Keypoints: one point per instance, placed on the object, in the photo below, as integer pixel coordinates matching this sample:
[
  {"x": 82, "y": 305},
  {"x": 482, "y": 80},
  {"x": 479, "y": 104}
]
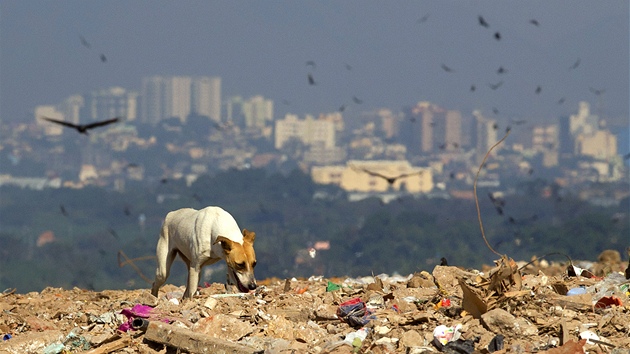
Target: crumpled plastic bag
[{"x": 355, "y": 313}]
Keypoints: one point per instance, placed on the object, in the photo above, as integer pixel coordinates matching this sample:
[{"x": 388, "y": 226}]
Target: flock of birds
[{"x": 84, "y": 128}]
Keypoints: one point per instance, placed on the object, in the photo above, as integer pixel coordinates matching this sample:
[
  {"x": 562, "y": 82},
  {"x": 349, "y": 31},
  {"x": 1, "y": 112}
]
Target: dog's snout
[{"x": 252, "y": 286}]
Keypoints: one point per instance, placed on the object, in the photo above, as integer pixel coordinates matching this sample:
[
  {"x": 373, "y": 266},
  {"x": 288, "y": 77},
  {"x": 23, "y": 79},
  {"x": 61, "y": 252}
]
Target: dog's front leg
[{"x": 193, "y": 281}]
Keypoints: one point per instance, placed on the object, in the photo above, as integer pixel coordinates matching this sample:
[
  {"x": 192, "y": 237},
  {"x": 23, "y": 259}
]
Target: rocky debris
[{"x": 511, "y": 307}]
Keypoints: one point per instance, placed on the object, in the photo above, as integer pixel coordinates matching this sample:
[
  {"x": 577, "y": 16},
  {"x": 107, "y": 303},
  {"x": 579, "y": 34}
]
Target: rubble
[{"x": 512, "y": 307}]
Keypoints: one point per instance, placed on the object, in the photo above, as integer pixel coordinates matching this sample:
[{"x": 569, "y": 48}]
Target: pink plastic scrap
[{"x": 137, "y": 311}]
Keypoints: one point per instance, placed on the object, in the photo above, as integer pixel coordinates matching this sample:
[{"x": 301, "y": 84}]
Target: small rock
[
  {"x": 146, "y": 298},
  {"x": 500, "y": 321},
  {"x": 411, "y": 339}
]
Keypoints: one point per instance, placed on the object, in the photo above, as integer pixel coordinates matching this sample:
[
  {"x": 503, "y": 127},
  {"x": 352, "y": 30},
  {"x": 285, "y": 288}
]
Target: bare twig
[
  {"x": 475, "y": 191},
  {"x": 133, "y": 265}
]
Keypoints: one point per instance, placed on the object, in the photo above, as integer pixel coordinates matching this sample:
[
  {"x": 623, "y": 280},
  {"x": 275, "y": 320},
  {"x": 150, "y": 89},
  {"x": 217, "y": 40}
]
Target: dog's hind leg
[{"x": 165, "y": 258}]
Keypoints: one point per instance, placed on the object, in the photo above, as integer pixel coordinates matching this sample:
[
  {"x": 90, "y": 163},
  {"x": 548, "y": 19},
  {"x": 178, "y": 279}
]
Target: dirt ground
[{"x": 578, "y": 307}]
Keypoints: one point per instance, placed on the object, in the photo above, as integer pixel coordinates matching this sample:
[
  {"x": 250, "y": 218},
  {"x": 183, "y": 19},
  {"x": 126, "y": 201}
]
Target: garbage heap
[{"x": 510, "y": 307}]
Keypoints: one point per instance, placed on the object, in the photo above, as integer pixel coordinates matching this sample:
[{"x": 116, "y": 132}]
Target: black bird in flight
[
  {"x": 63, "y": 210},
  {"x": 103, "y": 58},
  {"x": 501, "y": 70},
  {"x": 596, "y": 92},
  {"x": 483, "y": 22},
  {"x": 423, "y": 19},
  {"x": 497, "y": 36},
  {"x": 447, "y": 69},
  {"x": 576, "y": 64},
  {"x": 311, "y": 63},
  {"x": 389, "y": 180},
  {"x": 342, "y": 108},
  {"x": 518, "y": 122},
  {"x": 534, "y": 22},
  {"x": 472, "y": 88},
  {"x": 357, "y": 100},
  {"x": 311, "y": 81},
  {"x": 348, "y": 66},
  {"x": 83, "y": 128},
  {"x": 561, "y": 100},
  {"x": 84, "y": 42},
  {"x": 496, "y": 86},
  {"x": 538, "y": 90}
]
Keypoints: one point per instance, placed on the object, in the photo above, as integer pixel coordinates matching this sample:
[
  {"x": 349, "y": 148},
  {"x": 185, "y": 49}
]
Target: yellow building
[
  {"x": 375, "y": 176},
  {"x": 600, "y": 145}
]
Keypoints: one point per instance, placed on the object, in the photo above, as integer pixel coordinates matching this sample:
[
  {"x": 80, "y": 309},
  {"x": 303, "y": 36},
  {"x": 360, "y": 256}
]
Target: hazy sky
[{"x": 387, "y": 54}]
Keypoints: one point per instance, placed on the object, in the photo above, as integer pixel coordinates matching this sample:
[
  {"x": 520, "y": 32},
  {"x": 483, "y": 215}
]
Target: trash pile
[{"x": 512, "y": 307}]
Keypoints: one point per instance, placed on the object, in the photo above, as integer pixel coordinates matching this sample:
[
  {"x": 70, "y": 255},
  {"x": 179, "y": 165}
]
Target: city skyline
[{"x": 361, "y": 56}]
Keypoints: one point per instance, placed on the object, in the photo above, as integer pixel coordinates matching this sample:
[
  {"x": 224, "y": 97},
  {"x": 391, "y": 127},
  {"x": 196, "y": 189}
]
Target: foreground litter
[{"x": 540, "y": 308}]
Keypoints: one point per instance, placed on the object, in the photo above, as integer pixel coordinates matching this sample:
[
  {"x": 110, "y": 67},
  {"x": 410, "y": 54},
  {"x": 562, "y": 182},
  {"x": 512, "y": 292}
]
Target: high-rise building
[
  {"x": 565, "y": 139},
  {"x": 110, "y": 103},
  {"x": 254, "y": 112},
  {"x": 72, "y": 108},
  {"x": 389, "y": 123},
  {"x": 178, "y": 96},
  {"x": 583, "y": 122},
  {"x": 177, "y": 93},
  {"x": 439, "y": 128},
  {"x": 206, "y": 97},
  {"x": 453, "y": 130},
  {"x": 153, "y": 97},
  {"x": 486, "y": 136}
]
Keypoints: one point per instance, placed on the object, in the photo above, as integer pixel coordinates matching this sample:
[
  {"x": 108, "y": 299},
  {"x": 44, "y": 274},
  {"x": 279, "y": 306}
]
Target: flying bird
[
  {"x": 497, "y": 36},
  {"x": 348, "y": 66},
  {"x": 84, "y": 42},
  {"x": 472, "y": 88},
  {"x": 538, "y": 89},
  {"x": 342, "y": 108},
  {"x": 311, "y": 81},
  {"x": 447, "y": 69},
  {"x": 311, "y": 63},
  {"x": 63, "y": 210},
  {"x": 576, "y": 64},
  {"x": 389, "y": 180},
  {"x": 423, "y": 19},
  {"x": 561, "y": 100},
  {"x": 357, "y": 100},
  {"x": 103, "y": 58},
  {"x": 534, "y": 22},
  {"x": 501, "y": 70},
  {"x": 496, "y": 86},
  {"x": 82, "y": 128},
  {"x": 518, "y": 122},
  {"x": 596, "y": 92},
  {"x": 483, "y": 22}
]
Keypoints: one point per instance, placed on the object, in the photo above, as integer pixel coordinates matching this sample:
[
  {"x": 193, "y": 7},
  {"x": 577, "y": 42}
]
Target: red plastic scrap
[{"x": 608, "y": 301}]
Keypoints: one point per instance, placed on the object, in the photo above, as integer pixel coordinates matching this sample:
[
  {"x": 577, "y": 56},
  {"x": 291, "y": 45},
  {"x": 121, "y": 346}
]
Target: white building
[{"x": 309, "y": 131}]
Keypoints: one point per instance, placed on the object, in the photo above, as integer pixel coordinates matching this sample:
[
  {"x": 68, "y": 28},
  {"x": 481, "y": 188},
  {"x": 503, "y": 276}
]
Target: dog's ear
[
  {"x": 226, "y": 243},
  {"x": 249, "y": 236}
]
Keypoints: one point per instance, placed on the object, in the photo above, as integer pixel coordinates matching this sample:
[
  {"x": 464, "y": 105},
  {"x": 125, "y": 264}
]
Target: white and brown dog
[{"x": 203, "y": 237}]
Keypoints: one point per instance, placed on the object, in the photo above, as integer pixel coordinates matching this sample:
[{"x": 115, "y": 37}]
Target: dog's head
[{"x": 240, "y": 260}]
